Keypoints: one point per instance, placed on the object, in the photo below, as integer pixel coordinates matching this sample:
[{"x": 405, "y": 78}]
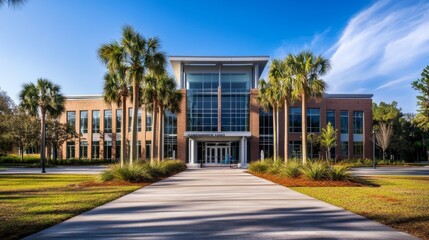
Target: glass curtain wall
[
  {"x": 266, "y": 133},
  {"x": 170, "y": 134},
  {"x": 235, "y": 102}
]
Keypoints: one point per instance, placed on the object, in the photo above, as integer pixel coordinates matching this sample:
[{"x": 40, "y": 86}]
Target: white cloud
[{"x": 389, "y": 40}]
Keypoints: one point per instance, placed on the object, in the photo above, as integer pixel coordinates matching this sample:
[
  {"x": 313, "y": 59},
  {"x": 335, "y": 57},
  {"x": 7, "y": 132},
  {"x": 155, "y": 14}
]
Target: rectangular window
[
  {"x": 170, "y": 134},
  {"x": 295, "y": 149},
  {"x": 330, "y": 117},
  {"x": 357, "y": 148},
  {"x": 139, "y": 120},
  {"x": 266, "y": 133},
  {"x": 107, "y": 121},
  {"x": 83, "y": 150},
  {"x": 70, "y": 149},
  {"x": 71, "y": 119},
  {"x": 95, "y": 150},
  {"x": 118, "y": 120},
  {"x": 344, "y": 122},
  {"x": 118, "y": 150},
  {"x": 313, "y": 120},
  {"x": 130, "y": 118},
  {"x": 139, "y": 149},
  {"x": 95, "y": 121},
  {"x": 357, "y": 122},
  {"x": 345, "y": 148},
  {"x": 148, "y": 121},
  {"x": 148, "y": 149},
  {"x": 83, "y": 122},
  {"x": 107, "y": 150},
  {"x": 295, "y": 123}
]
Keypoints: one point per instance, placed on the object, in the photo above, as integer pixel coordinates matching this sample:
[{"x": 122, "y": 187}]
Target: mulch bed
[{"x": 303, "y": 182}]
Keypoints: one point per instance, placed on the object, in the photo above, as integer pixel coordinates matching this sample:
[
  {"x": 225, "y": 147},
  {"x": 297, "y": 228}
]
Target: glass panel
[
  {"x": 344, "y": 122},
  {"x": 70, "y": 149},
  {"x": 148, "y": 121},
  {"x": 71, "y": 119},
  {"x": 118, "y": 120},
  {"x": 357, "y": 148},
  {"x": 83, "y": 122},
  {"x": 83, "y": 150},
  {"x": 295, "y": 120},
  {"x": 313, "y": 120},
  {"x": 95, "y": 150},
  {"x": 107, "y": 121},
  {"x": 266, "y": 133},
  {"x": 358, "y": 122},
  {"x": 107, "y": 150},
  {"x": 96, "y": 121},
  {"x": 330, "y": 117}
]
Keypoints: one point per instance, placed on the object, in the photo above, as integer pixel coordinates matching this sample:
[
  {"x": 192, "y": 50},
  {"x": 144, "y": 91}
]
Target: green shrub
[
  {"x": 259, "y": 166},
  {"x": 339, "y": 173},
  {"x": 315, "y": 170},
  {"x": 291, "y": 170},
  {"x": 275, "y": 167},
  {"x": 142, "y": 171}
]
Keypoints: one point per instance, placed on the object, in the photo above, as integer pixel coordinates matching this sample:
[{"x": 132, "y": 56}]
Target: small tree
[
  {"x": 383, "y": 136},
  {"x": 328, "y": 138},
  {"x": 312, "y": 139},
  {"x": 6, "y": 112},
  {"x": 25, "y": 130},
  {"x": 422, "y": 85},
  {"x": 57, "y": 133}
]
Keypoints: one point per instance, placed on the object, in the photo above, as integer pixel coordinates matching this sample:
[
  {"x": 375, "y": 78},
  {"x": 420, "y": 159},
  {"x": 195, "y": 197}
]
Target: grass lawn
[
  {"x": 30, "y": 203},
  {"x": 401, "y": 202}
]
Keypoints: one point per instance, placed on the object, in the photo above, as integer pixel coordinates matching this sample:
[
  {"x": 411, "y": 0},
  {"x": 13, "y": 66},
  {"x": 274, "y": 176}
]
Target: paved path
[
  {"x": 55, "y": 170},
  {"x": 411, "y": 171},
  {"x": 218, "y": 204}
]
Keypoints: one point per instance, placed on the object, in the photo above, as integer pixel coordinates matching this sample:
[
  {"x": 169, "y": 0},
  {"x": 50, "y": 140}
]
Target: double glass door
[{"x": 216, "y": 154}]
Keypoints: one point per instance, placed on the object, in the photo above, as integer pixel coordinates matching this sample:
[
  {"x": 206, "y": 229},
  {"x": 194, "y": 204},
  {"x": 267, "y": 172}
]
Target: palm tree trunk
[
  {"x": 286, "y": 143},
  {"x": 161, "y": 113},
  {"x": 274, "y": 133},
  {"x": 304, "y": 129},
  {"x": 133, "y": 148},
  {"x": 123, "y": 129},
  {"x": 154, "y": 121},
  {"x": 42, "y": 149}
]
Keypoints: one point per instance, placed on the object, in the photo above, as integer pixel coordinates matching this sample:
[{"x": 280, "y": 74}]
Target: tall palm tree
[
  {"x": 160, "y": 93},
  {"x": 279, "y": 72},
  {"x": 12, "y": 3},
  {"x": 137, "y": 55},
  {"x": 117, "y": 90},
  {"x": 44, "y": 98},
  {"x": 306, "y": 69},
  {"x": 270, "y": 96}
]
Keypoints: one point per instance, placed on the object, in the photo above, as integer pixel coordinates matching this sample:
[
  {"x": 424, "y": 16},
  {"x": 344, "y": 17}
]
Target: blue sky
[{"x": 375, "y": 47}]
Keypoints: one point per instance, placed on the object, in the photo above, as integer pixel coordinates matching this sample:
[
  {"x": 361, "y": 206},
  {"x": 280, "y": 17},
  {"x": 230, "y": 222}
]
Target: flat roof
[
  {"x": 219, "y": 58},
  {"x": 327, "y": 95}
]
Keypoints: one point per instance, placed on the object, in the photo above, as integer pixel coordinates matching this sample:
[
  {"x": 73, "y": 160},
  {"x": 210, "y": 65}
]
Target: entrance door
[{"x": 216, "y": 154}]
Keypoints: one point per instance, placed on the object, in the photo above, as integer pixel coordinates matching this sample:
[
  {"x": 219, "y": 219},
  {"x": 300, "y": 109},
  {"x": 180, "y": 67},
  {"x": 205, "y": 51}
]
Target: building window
[
  {"x": 118, "y": 149},
  {"x": 170, "y": 134},
  {"x": 95, "y": 121},
  {"x": 295, "y": 149},
  {"x": 357, "y": 148},
  {"x": 202, "y": 102},
  {"x": 95, "y": 150},
  {"x": 118, "y": 120},
  {"x": 330, "y": 117},
  {"x": 148, "y": 149},
  {"x": 139, "y": 149},
  {"x": 295, "y": 120},
  {"x": 139, "y": 119},
  {"x": 107, "y": 121},
  {"x": 83, "y": 150},
  {"x": 83, "y": 122},
  {"x": 148, "y": 121},
  {"x": 107, "y": 150},
  {"x": 313, "y": 120},
  {"x": 358, "y": 122},
  {"x": 344, "y": 122},
  {"x": 345, "y": 148},
  {"x": 70, "y": 149},
  {"x": 71, "y": 119},
  {"x": 266, "y": 132},
  {"x": 235, "y": 102}
]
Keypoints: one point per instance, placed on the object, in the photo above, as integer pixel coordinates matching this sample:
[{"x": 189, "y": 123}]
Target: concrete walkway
[{"x": 218, "y": 203}]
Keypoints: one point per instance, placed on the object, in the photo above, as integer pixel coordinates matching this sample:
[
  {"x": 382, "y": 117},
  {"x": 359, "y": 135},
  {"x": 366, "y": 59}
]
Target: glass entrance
[{"x": 216, "y": 153}]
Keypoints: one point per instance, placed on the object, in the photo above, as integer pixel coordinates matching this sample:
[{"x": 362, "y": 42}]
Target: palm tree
[
  {"x": 270, "y": 96},
  {"x": 117, "y": 90},
  {"x": 12, "y": 3},
  {"x": 306, "y": 69},
  {"x": 44, "y": 98},
  {"x": 137, "y": 55},
  {"x": 278, "y": 70},
  {"x": 159, "y": 94}
]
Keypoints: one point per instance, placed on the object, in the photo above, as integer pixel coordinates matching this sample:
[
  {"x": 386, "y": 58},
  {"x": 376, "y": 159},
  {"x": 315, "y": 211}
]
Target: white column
[
  {"x": 243, "y": 153},
  {"x": 191, "y": 151}
]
